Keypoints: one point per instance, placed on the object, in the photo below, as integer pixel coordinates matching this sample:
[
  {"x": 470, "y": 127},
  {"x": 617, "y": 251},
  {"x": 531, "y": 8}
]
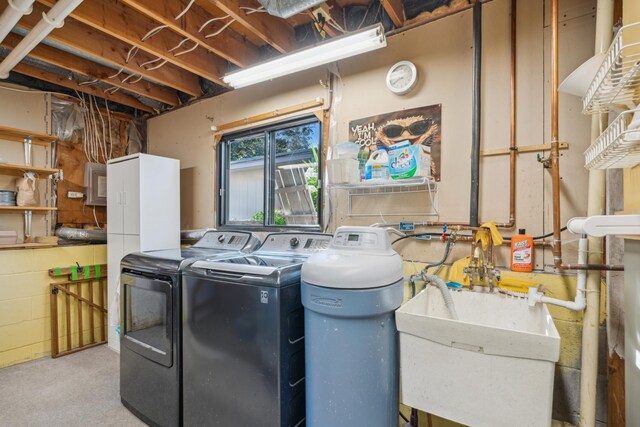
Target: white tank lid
[{"x": 357, "y": 258}]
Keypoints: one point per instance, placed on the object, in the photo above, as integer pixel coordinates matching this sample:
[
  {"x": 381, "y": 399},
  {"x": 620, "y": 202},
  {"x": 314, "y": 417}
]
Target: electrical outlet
[
  {"x": 74, "y": 195},
  {"x": 323, "y": 10}
]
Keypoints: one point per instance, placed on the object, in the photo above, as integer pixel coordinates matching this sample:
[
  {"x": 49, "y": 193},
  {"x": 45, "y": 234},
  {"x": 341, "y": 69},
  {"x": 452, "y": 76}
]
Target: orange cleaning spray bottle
[{"x": 522, "y": 252}]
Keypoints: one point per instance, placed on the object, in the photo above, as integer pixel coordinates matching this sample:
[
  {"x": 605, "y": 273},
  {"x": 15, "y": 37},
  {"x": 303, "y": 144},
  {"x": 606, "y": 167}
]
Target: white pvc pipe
[
  {"x": 579, "y": 303},
  {"x": 50, "y": 20},
  {"x": 595, "y": 206},
  {"x": 12, "y": 14}
]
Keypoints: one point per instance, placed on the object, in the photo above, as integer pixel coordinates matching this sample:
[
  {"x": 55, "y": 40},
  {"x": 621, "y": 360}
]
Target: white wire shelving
[
  {"x": 421, "y": 185},
  {"x": 617, "y": 147},
  {"x": 618, "y": 78}
]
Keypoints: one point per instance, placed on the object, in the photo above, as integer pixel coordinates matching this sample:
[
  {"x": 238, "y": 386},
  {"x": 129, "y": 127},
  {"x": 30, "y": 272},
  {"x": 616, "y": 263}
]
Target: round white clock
[{"x": 402, "y": 77}]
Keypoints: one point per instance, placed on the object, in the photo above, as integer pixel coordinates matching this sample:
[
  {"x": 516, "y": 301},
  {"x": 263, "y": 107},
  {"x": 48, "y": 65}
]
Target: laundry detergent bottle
[
  {"x": 522, "y": 252},
  {"x": 377, "y": 167}
]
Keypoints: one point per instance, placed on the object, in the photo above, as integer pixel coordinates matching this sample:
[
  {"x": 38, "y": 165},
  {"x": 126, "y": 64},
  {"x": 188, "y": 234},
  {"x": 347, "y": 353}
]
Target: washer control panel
[
  {"x": 228, "y": 240},
  {"x": 297, "y": 243}
]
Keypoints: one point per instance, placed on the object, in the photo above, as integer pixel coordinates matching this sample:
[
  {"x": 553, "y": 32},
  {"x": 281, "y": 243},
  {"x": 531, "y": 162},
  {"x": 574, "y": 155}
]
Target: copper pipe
[
  {"x": 555, "y": 143},
  {"x": 555, "y": 158},
  {"x": 599, "y": 267}
]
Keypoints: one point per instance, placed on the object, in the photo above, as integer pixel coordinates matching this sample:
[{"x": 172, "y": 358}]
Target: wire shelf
[
  {"x": 618, "y": 78},
  {"x": 388, "y": 185},
  {"x": 617, "y": 147},
  {"x": 421, "y": 185}
]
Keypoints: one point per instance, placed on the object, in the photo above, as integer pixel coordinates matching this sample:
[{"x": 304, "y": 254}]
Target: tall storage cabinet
[{"x": 143, "y": 214}]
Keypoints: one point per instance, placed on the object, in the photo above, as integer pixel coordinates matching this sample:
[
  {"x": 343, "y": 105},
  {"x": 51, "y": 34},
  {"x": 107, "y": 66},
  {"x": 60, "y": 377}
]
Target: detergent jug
[{"x": 377, "y": 167}]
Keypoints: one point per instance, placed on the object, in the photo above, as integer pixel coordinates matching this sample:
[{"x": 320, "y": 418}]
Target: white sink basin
[{"x": 492, "y": 367}]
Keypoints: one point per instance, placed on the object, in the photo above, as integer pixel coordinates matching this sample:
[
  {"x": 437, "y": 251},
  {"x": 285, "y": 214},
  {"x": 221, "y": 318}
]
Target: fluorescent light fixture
[{"x": 370, "y": 38}]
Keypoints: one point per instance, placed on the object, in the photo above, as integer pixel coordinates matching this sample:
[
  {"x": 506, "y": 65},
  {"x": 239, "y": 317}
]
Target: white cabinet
[{"x": 143, "y": 214}]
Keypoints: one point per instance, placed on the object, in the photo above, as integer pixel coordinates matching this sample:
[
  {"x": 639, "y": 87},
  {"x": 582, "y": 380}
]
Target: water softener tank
[{"x": 350, "y": 293}]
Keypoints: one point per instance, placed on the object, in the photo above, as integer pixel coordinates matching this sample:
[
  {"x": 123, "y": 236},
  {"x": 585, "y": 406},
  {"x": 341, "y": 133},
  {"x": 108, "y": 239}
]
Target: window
[{"x": 269, "y": 177}]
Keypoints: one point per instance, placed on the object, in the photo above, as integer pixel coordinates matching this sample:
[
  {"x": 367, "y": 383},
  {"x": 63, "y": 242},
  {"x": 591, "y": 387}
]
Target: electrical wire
[
  {"x": 544, "y": 236},
  {"x": 220, "y": 18},
  {"x": 185, "y": 10},
  {"x": 224, "y": 27},
  {"x": 153, "y": 32},
  {"x": 155, "y": 67},
  {"x": 96, "y": 218}
]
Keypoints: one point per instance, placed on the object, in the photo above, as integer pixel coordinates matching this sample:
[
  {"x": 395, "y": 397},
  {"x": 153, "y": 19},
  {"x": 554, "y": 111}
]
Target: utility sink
[{"x": 494, "y": 366}]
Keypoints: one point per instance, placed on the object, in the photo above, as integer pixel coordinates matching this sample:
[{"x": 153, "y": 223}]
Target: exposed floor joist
[
  {"x": 395, "y": 10},
  {"x": 112, "y": 51},
  {"x": 275, "y": 31},
  {"x": 118, "y": 97},
  {"x": 228, "y": 44},
  {"x": 118, "y": 21},
  {"x": 94, "y": 70}
]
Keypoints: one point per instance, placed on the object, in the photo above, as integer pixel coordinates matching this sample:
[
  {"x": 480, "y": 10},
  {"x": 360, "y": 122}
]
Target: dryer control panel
[
  {"x": 295, "y": 243},
  {"x": 227, "y": 240}
]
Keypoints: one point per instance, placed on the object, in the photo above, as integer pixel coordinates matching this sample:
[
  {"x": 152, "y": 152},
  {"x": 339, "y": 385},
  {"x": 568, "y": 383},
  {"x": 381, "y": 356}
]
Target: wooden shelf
[
  {"x": 34, "y": 209},
  {"x": 18, "y": 135},
  {"x": 26, "y": 246},
  {"x": 18, "y": 170}
]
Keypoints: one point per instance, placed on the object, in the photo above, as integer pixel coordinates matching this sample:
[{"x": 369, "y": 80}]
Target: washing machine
[
  {"x": 150, "y": 313},
  {"x": 243, "y": 335}
]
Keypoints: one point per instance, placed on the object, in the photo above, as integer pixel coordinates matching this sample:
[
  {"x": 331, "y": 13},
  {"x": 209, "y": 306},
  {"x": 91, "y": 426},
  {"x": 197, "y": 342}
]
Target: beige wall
[
  {"x": 442, "y": 51},
  {"x": 29, "y": 111}
]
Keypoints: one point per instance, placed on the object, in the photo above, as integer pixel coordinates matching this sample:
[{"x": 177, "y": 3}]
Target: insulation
[{"x": 287, "y": 8}]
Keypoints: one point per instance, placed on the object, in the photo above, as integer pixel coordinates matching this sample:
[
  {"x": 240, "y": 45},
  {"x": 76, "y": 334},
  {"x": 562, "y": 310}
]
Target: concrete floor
[{"x": 76, "y": 390}]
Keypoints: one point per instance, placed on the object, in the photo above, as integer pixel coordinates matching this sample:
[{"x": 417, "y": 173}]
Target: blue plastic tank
[{"x": 350, "y": 293}]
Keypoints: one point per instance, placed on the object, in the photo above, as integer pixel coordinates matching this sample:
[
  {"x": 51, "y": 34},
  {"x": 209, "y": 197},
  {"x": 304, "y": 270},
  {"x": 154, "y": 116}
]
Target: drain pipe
[
  {"x": 50, "y": 20},
  {"x": 13, "y": 12},
  {"x": 579, "y": 303},
  {"x": 595, "y": 206},
  {"x": 476, "y": 115}
]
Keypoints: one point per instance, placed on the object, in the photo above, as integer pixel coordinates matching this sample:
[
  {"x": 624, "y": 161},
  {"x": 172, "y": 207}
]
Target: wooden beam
[
  {"x": 523, "y": 149},
  {"x": 318, "y": 102},
  {"x": 117, "y": 20},
  {"x": 275, "y": 31},
  {"x": 395, "y": 10},
  {"x": 93, "y": 43},
  {"x": 94, "y": 70},
  {"x": 228, "y": 44},
  {"x": 119, "y": 98}
]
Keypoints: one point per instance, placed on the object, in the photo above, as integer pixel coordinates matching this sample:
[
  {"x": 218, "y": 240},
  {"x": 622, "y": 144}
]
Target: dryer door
[{"x": 147, "y": 316}]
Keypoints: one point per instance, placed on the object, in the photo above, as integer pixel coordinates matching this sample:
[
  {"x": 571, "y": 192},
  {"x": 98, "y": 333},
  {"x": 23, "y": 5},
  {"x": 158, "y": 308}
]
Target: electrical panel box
[{"x": 95, "y": 184}]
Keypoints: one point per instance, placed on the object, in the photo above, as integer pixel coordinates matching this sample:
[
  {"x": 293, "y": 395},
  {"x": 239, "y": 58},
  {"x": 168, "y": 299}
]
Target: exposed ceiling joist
[
  {"x": 117, "y": 20},
  {"x": 395, "y": 10},
  {"x": 94, "y": 70},
  {"x": 118, "y": 97},
  {"x": 275, "y": 31},
  {"x": 228, "y": 44},
  {"x": 88, "y": 41}
]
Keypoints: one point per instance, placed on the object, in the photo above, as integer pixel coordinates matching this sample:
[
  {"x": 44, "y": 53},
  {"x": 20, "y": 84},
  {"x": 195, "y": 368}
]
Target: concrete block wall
[{"x": 25, "y": 317}]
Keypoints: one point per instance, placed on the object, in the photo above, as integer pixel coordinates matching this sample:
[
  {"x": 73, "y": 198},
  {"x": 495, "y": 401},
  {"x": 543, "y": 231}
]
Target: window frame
[{"x": 269, "y": 165}]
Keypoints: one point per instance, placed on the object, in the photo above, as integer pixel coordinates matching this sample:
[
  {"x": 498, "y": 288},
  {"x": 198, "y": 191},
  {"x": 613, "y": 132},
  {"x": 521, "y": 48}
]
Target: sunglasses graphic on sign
[{"x": 415, "y": 129}]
